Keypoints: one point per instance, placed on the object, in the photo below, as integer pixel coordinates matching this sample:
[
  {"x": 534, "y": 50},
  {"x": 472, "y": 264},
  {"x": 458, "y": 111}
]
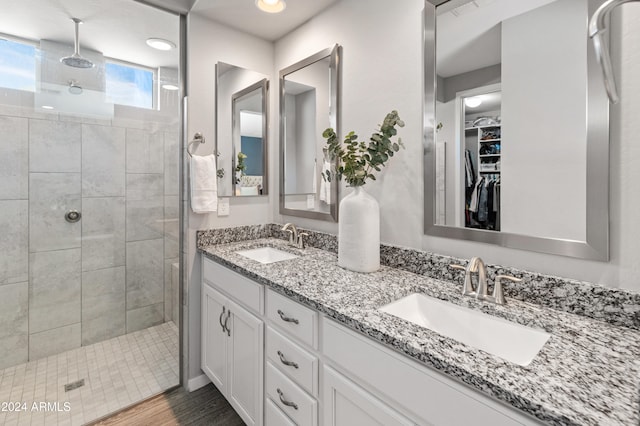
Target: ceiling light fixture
[
  {"x": 47, "y": 107},
  {"x": 271, "y": 6},
  {"x": 473, "y": 102},
  {"x": 170, "y": 87},
  {"x": 161, "y": 44}
]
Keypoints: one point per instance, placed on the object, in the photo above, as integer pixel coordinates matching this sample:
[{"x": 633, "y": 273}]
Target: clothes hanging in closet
[{"x": 483, "y": 205}]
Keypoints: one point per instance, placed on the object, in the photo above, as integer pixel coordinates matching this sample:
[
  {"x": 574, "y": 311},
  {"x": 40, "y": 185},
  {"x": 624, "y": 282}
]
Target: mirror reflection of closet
[
  {"x": 547, "y": 142},
  {"x": 241, "y": 129},
  {"x": 480, "y": 133}
]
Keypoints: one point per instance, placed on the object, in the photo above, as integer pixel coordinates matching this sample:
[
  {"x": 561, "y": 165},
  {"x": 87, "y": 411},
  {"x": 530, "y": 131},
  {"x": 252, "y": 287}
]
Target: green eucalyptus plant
[
  {"x": 241, "y": 167},
  {"x": 358, "y": 160}
]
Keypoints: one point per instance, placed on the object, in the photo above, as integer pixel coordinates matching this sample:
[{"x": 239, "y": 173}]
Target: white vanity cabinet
[
  {"x": 232, "y": 345},
  {"x": 279, "y": 362}
]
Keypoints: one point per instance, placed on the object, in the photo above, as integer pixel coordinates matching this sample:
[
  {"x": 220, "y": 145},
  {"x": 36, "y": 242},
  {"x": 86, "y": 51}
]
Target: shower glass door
[{"x": 89, "y": 207}]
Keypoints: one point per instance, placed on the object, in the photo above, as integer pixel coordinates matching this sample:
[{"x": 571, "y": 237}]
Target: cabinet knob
[{"x": 286, "y": 318}]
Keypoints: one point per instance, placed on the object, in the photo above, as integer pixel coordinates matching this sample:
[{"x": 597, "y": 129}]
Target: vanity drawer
[
  {"x": 273, "y": 416},
  {"x": 291, "y": 359},
  {"x": 299, "y": 321},
  {"x": 235, "y": 285},
  {"x": 304, "y": 412}
]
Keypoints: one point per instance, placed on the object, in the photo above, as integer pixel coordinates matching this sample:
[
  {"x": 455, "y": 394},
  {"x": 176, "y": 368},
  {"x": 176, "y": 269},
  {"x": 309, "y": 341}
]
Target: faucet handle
[
  {"x": 498, "y": 295},
  {"x": 300, "y": 242},
  {"x": 455, "y": 266}
]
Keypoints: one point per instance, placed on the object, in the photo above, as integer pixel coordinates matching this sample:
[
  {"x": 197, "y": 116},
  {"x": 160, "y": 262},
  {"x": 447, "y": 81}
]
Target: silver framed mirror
[
  {"x": 242, "y": 139},
  {"x": 309, "y": 104},
  {"x": 531, "y": 170}
]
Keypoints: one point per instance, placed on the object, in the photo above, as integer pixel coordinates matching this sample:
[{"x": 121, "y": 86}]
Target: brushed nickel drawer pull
[
  {"x": 226, "y": 321},
  {"x": 286, "y": 318},
  {"x": 285, "y": 402},
  {"x": 224, "y": 309},
  {"x": 287, "y": 362}
]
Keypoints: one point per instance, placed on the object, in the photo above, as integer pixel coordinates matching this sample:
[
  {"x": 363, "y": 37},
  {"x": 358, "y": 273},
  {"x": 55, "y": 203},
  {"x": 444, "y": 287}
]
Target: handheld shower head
[{"x": 76, "y": 60}]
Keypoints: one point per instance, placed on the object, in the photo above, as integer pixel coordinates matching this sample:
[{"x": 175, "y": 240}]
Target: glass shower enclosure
[{"x": 90, "y": 123}]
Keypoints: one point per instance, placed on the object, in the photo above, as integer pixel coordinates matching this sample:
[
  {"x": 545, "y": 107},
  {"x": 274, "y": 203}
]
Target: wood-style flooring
[{"x": 206, "y": 406}]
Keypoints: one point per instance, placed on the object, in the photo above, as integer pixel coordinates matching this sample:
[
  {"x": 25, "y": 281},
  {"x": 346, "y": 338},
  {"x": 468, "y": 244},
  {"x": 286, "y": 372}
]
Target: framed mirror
[
  {"x": 309, "y": 104},
  {"x": 241, "y": 129},
  {"x": 516, "y": 126}
]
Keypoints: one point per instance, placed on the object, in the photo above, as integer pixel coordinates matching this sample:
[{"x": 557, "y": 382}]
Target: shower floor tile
[{"x": 117, "y": 373}]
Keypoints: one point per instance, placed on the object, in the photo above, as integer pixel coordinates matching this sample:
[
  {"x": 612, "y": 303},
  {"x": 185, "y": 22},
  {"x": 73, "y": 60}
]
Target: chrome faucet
[
  {"x": 296, "y": 238},
  {"x": 480, "y": 290}
]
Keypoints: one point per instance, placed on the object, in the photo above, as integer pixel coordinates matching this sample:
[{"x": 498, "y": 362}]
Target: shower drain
[{"x": 73, "y": 385}]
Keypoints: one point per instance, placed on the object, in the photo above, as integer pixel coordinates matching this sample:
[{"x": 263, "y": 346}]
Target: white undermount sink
[
  {"x": 267, "y": 254},
  {"x": 513, "y": 342}
]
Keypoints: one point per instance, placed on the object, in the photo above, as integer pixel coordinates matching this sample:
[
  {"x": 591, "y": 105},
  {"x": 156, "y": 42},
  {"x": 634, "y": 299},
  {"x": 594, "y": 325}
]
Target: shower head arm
[
  {"x": 597, "y": 28},
  {"x": 76, "y": 39}
]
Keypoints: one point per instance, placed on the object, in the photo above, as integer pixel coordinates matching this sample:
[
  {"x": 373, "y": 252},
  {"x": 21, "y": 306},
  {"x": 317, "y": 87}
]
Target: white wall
[
  {"x": 544, "y": 122},
  {"x": 208, "y": 43},
  {"x": 382, "y": 71}
]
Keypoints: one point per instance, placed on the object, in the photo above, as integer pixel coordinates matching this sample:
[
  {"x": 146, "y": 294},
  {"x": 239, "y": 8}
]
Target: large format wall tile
[
  {"x": 14, "y": 332},
  {"x": 51, "y": 195},
  {"x": 145, "y": 151},
  {"x": 14, "y": 158},
  {"x": 52, "y": 342},
  {"x": 145, "y": 207},
  {"x": 103, "y": 161},
  {"x": 54, "y": 146},
  {"x": 103, "y": 304},
  {"x": 54, "y": 289},
  {"x": 147, "y": 316},
  {"x": 103, "y": 232},
  {"x": 14, "y": 248},
  {"x": 145, "y": 275}
]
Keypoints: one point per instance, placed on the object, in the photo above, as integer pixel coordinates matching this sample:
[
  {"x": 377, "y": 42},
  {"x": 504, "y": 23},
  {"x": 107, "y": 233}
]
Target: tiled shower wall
[{"x": 63, "y": 285}]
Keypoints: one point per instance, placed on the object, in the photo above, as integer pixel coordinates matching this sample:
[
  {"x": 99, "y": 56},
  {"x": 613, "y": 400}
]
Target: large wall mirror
[
  {"x": 516, "y": 126},
  {"x": 241, "y": 129},
  {"x": 309, "y": 104}
]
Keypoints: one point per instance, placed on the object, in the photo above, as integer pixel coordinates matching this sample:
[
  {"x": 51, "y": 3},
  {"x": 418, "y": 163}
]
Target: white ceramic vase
[{"x": 359, "y": 232}]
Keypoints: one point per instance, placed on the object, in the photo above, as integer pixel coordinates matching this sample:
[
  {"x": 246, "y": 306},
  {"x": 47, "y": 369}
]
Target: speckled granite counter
[{"x": 588, "y": 373}]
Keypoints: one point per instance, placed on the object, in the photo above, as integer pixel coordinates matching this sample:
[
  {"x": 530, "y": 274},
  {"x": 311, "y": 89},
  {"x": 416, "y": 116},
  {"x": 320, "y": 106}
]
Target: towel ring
[{"x": 198, "y": 137}]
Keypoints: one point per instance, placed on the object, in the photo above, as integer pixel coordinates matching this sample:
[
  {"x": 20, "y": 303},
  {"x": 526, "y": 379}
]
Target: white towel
[
  {"x": 325, "y": 185},
  {"x": 204, "y": 187}
]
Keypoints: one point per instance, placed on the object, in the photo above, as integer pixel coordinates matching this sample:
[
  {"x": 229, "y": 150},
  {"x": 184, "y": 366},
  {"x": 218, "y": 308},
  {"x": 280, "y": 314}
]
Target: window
[
  {"x": 17, "y": 65},
  {"x": 129, "y": 85}
]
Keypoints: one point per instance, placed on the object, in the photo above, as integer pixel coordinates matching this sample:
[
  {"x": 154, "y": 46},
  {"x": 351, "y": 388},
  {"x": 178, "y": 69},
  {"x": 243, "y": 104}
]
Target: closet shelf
[
  {"x": 489, "y": 140},
  {"x": 489, "y": 155}
]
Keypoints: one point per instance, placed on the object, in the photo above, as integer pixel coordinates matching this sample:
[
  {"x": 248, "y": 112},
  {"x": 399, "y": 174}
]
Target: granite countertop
[{"x": 588, "y": 373}]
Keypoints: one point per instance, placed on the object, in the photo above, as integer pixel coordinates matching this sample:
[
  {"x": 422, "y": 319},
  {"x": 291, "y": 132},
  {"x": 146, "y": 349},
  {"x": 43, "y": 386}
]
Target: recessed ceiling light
[
  {"x": 473, "y": 102},
  {"x": 170, "y": 87},
  {"x": 271, "y": 6},
  {"x": 47, "y": 107},
  {"x": 160, "y": 44}
]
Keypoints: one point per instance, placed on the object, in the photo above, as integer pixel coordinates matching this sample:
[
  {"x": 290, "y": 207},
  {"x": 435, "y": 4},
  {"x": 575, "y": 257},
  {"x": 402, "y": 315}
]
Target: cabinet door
[
  {"x": 214, "y": 337},
  {"x": 347, "y": 404},
  {"x": 246, "y": 360}
]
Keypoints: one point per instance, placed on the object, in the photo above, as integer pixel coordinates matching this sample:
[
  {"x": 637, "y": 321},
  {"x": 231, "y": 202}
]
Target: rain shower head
[{"x": 75, "y": 60}]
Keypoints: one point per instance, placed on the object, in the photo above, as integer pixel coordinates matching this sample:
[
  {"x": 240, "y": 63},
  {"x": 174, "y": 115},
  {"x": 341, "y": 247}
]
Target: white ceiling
[
  {"x": 117, "y": 28},
  {"x": 243, "y": 15}
]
